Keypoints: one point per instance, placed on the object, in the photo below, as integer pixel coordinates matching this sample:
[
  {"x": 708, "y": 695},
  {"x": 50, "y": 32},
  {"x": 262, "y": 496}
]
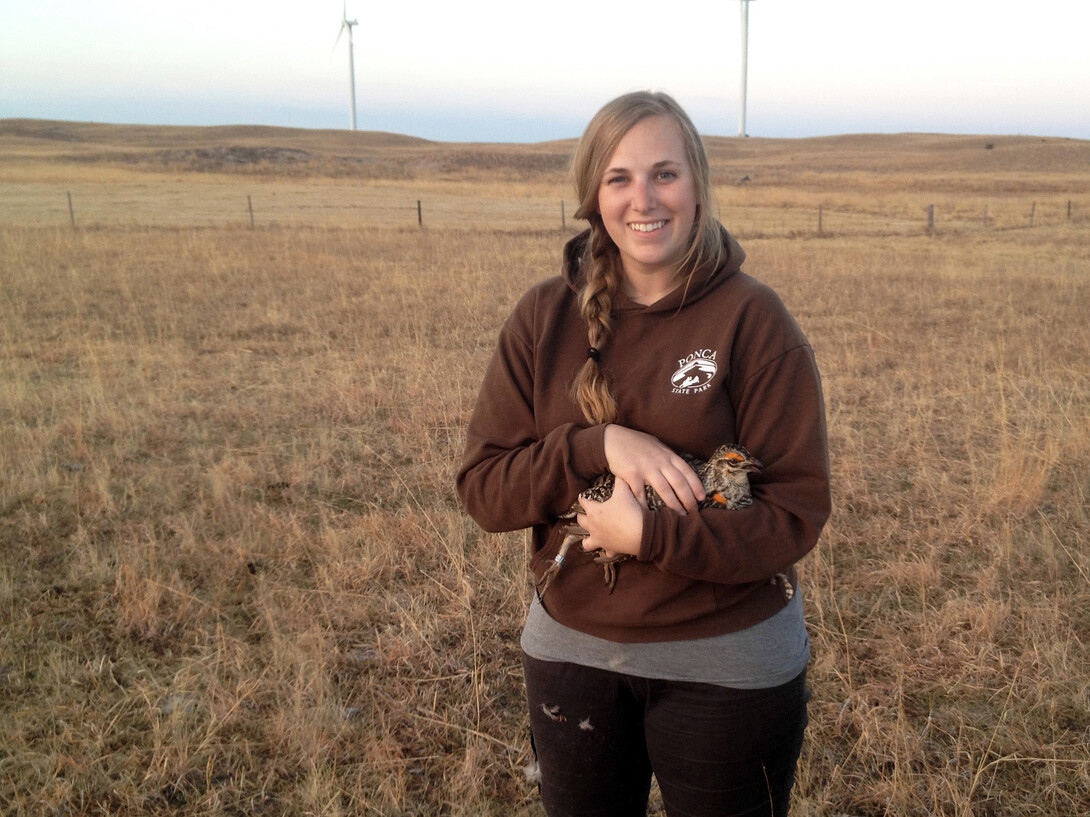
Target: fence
[{"x": 187, "y": 205}]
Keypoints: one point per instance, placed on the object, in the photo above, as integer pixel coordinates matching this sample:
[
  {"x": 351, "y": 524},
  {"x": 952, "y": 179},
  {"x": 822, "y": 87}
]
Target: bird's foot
[
  {"x": 555, "y": 563},
  {"x": 609, "y": 562}
]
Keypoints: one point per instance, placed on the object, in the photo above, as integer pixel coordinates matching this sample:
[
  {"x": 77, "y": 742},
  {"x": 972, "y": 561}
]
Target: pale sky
[{"x": 504, "y": 70}]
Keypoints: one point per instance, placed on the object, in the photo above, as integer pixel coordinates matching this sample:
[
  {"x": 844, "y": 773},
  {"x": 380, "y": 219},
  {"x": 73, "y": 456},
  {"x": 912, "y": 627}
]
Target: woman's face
[{"x": 647, "y": 200}]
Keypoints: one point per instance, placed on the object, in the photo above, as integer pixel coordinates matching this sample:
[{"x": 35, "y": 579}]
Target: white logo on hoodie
[{"x": 695, "y": 372}]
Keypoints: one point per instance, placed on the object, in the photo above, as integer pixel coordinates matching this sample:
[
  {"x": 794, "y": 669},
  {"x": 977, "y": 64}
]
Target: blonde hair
[{"x": 600, "y": 264}]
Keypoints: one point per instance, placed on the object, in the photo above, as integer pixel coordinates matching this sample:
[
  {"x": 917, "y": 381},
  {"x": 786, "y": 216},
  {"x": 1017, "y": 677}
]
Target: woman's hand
[
  {"x": 616, "y": 525},
  {"x": 639, "y": 459}
]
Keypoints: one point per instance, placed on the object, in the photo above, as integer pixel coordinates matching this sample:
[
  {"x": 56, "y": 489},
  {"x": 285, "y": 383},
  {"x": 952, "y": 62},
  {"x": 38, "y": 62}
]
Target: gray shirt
[{"x": 767, "y": 654}]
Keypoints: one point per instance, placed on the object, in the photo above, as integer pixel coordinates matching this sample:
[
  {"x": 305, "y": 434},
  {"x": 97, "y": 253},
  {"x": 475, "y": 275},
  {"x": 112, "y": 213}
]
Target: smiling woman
[{"x": 689, "y": 662}]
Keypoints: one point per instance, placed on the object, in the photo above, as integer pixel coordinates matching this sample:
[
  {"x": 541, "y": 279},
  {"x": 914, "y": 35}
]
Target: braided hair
[{"x": 600, "y": 265}]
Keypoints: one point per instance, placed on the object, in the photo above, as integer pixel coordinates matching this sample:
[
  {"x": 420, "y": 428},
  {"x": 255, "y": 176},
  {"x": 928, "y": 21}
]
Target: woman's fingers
[
  {"x": 615, "y": 525},
  {"x": 678, "y": 486},
  {"x": 641, "y": 459}
]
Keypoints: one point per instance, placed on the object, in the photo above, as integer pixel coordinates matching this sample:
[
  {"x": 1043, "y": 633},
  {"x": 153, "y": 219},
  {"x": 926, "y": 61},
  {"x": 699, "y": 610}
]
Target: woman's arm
[
  {"x": 781, "y": 419},
  {"x": 512, "y": 476},
  {"x": 778, "y": 413}
]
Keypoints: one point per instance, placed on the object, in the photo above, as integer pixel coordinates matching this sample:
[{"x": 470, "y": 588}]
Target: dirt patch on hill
[{"x": 225, "y": 158}]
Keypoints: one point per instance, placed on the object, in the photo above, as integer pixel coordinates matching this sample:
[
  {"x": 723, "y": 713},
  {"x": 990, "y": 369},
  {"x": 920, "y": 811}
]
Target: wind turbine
[
  {"x": 745, "y": 65},
  {"x": 347, "y": 24}
]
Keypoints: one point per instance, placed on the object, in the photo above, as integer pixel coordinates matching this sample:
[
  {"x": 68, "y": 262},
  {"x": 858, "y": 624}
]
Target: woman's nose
[{"x": 643, "y": 196}]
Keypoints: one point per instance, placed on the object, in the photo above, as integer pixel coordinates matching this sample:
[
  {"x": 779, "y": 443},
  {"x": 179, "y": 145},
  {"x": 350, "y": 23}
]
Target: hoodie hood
[{"x": 703, "y": 281}]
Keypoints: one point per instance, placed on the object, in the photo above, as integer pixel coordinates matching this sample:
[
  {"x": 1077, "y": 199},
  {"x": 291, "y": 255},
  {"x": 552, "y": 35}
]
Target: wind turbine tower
[
  {"x": 745, "y": 65},
  {"x": 347, "y": 24}
]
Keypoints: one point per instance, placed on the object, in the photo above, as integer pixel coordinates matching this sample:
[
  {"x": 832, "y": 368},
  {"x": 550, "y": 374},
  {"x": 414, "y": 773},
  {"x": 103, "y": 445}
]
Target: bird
[{"x": 724, "y": 475}]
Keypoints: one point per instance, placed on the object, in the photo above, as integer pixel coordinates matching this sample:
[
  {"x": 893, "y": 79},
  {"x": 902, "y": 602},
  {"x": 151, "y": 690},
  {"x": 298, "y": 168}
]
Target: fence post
[
  {"x": 820, "y": 230},
  {"x": 931, "y": 219},
  {"x": 419, "y": 214},
  {"x": 1069, "y": 209},
  {"x": 1032, "y": 213},
  {"x": 985, "y": 217},
  {"x": 563, "y": 223},
  {"x": 250, "y": 205},
  {"x": 71, "y": 211}
]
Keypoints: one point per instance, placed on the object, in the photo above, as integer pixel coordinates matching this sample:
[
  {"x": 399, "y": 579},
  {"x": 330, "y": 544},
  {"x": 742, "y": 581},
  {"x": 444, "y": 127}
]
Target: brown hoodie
[{"x": 718, "y": 361}]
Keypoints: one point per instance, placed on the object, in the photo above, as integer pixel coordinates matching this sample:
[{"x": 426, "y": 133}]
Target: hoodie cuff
[
  {"x": 587, "y": 448},
  {"x": 649, "y": 520}
]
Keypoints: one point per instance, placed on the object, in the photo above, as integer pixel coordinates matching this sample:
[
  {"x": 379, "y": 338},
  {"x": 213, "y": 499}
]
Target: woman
[{"x": 653, "y": 342}]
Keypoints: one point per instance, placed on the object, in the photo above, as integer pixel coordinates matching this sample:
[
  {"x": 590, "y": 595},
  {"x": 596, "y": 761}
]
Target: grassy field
[{"x": 235, "y": 579}]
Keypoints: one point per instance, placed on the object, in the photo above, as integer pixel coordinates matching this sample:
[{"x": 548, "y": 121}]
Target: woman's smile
[{"x": 648, "y": 228}]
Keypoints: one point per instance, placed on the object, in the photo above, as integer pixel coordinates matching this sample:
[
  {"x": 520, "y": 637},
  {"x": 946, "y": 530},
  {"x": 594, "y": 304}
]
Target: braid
[
  {"x": 590, "y": 388},
  {"x": 600, "y": 264}
]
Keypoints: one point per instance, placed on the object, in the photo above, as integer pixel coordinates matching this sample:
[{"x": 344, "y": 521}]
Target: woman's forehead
[{"x": 651, "y": 142}]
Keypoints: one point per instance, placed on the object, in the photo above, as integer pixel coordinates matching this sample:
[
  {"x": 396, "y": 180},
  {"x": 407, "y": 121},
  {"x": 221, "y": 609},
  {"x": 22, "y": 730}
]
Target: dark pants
[{"x": 599, "y": 736}]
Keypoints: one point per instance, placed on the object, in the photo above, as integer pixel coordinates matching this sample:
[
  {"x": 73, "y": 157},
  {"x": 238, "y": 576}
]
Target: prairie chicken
[{"x": 725, "y": 477}]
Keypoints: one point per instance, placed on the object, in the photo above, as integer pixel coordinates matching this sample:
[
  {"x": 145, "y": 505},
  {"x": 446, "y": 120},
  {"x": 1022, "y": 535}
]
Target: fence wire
[{"x": 203, "y": 204}]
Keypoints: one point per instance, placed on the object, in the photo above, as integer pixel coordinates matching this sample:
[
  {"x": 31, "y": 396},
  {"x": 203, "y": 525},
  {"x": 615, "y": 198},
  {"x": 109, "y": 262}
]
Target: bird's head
[
  {"x": 734, "y": 459},
  {"x": 726, "y": 476}
]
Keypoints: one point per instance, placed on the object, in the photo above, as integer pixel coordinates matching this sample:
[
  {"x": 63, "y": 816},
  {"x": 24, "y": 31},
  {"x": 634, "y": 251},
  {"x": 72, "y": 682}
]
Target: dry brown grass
[{"x": 234, "y": 578}]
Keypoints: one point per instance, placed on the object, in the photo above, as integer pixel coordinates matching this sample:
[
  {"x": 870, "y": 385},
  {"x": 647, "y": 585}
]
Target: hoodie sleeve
[
  {"x": 513, "y": 475},
  {"x": 780, "y": 417}
]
